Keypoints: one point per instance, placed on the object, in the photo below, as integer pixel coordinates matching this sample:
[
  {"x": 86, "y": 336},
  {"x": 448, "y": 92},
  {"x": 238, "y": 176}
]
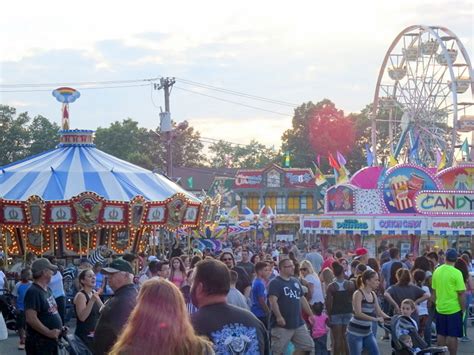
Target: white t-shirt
[
  {"x": 423, "y": 306},
  {"x": 317, "y": 295}
]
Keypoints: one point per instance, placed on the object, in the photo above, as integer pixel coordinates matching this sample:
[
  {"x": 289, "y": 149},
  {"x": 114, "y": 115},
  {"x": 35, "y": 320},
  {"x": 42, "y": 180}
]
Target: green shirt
[{"x": 447, "y": 281}]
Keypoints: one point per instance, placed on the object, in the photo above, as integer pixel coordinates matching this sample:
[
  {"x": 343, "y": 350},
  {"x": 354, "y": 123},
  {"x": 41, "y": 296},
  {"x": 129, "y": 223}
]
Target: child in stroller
[{"x": 407, "y": 341}]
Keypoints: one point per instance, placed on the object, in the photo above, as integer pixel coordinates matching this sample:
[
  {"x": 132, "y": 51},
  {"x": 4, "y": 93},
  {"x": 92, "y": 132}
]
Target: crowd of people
[{"x": 248, "y": 300}]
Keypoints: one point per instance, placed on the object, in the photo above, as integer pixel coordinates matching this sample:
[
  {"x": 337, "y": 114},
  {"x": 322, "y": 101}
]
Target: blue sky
[{"x": 306, "y": 50}]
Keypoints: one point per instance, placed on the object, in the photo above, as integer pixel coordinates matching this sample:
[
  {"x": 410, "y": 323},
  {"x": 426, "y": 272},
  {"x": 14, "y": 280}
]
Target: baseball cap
[
  {"x": 361, "y": 251},
  {"x": 42, "y": 264},
  {"x": 151, "y": 258},
  {"x": 116, "y": 266},
  {"x": 451, "y": 255}
]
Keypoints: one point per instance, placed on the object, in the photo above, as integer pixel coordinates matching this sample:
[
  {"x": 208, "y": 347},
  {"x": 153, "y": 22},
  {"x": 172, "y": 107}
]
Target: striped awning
[{"x": 67, "y": 171}]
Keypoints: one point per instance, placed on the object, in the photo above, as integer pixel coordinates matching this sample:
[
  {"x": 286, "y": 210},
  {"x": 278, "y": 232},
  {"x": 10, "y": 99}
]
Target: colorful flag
[
  {"x": 442, "y": 161},
  {"x": 414, "y": 148},
  {"x": 343, "y": 175},
  {"x": 333, "y": 163},
  {"x": 370, "y": 155},
  {"x": 340, "y": 158},
  {"x": 190, "y": 182},
  {"x": 465, "y": 148},
  {"x": 319, "y": 178},
  {"x": 287, "y": 159},
  {"x": 392, "y": 161}
]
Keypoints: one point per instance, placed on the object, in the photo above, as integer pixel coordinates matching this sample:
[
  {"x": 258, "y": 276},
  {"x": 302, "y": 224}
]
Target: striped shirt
[{"x": 360, "y": 327}]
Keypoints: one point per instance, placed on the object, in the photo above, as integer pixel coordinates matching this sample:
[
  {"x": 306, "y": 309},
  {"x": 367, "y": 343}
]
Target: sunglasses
[
  {"x": 303, "y": 269},
  {"x": 225, "y": 259}
]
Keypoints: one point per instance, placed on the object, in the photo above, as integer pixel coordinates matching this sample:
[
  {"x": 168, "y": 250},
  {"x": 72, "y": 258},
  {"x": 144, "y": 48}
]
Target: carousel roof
[{"x": 73, "y": 168}]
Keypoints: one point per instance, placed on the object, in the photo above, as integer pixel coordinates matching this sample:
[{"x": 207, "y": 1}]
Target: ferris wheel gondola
[{"x": 422, "y": 90}]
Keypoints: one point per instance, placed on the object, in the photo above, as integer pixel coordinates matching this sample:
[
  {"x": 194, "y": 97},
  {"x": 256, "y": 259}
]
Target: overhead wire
[
  {"x": 232, "y": 102},
  {"x": 237, "y": 93}
]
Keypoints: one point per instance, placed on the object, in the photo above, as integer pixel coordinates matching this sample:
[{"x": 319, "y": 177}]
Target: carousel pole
[
  {"x": 41, "y": 246},
  {"x": 25, "y": 246},
  {"x": 51, "y": 236},
  {"x": 80, "y": 245},
  {"x": 5, "y": 248},
  {"x": 87, "y": 247}
]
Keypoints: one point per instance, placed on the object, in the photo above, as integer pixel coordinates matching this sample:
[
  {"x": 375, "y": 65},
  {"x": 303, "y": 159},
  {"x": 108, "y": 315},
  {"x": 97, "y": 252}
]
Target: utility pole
[{"x": 165, "y": 122}]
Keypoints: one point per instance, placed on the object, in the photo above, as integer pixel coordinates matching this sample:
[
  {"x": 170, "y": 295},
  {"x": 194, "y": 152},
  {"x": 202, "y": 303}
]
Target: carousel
[{"x": 75, "y": 198}]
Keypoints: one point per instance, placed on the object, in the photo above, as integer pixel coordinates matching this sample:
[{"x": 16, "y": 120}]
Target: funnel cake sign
[{"x": 445, "y": 202}]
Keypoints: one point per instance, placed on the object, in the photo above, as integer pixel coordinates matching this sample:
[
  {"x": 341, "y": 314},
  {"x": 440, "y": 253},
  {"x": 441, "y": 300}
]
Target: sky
[{"x": 292, "y": 52}]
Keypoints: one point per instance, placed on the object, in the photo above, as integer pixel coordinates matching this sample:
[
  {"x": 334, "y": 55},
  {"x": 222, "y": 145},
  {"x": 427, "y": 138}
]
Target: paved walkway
[{"x": 9, "y": 346}]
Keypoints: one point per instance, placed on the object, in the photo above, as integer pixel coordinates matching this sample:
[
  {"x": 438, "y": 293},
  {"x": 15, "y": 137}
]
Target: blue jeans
[
  {"x": 357, "y": 343},
  {"x": 320, "y": 345},
  {"x": 466, "y": 314}
]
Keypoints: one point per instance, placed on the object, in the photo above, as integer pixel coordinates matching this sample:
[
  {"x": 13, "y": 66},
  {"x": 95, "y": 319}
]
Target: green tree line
[{"x": 317, "y": 129}]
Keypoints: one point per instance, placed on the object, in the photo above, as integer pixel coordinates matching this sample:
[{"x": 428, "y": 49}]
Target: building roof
[{"x": 202, "y": 177}]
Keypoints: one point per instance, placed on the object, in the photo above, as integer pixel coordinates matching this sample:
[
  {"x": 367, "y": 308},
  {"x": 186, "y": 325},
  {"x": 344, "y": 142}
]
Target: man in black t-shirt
[
  {"x": 286, "y": 301},
  {"x": 42, "y": 317},
  {"x": 231, "y": 329}
]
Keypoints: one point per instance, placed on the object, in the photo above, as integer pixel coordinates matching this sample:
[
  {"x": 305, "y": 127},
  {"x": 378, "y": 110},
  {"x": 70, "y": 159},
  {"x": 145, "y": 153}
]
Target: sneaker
[
  {"x": 465, "y": 339},
  {"x": 21, "y": 346}
]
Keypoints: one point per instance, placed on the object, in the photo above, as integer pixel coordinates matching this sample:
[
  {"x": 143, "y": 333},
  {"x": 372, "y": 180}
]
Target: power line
[
  {"x": 232, "y": 102},
  {"x": 237, "y": 93},
  {"x": 77, "y": 83},
  {"x": 85, "y": 88}
]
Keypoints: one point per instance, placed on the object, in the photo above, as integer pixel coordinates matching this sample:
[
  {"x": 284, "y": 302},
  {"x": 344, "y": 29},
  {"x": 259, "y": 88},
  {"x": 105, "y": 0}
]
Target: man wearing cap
[
  {"x": 42, "y": 317},
  {"x": 363, "y": 256},
  {"x": 329, "y": 259},
  {"x": 448, "y": 291},
  {"x": 115, "y": 312}
]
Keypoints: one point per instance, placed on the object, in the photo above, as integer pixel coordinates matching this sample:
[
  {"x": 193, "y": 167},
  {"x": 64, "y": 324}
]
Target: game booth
[{"x": 414, "y": 208}]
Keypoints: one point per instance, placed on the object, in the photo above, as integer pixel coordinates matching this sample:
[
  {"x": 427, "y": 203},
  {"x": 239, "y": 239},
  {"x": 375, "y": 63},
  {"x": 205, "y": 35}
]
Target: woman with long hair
[
  {"x": 178, "y": 271},
  {"x": 366, "y": 310},
  {"x": 87, "y": 304},
  {"x": 404, "y": 289},
  {"x": 160, "y": 324},
  {"x": 462, "y": 266},
  {"x": 315, "y": 290}
]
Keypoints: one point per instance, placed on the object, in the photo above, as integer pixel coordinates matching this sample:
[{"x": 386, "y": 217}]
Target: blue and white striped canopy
[{"x": 67, "y": 171}]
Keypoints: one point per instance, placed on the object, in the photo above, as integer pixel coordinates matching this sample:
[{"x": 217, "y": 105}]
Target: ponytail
[{"x": 366, "y": 275}]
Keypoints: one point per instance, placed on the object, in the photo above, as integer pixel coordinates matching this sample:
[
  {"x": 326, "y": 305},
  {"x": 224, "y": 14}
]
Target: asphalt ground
[{"x": 10, "y": 345}]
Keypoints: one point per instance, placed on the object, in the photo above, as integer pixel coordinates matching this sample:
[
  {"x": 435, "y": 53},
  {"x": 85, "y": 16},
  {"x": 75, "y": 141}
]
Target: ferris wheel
[{"x": 424, "y": 89}]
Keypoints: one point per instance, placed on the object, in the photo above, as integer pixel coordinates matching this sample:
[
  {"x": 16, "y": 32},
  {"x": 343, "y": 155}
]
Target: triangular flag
[
  {"x": 370, "y": 155},
  {"x": 190, "y": 182},
  {"x": 442, "y": 162},
  {"x": 340, "y": 158},
  {"x": 392, "y": 161},
  {"x": 319, "y": 178},
  {"x": 333, "y": 163},
  {"x": 414, "y": 148},
  {"x": 343, "y": 175},
  {"x": 287, "y": 160},
  {"x": 465, "y": 148}
]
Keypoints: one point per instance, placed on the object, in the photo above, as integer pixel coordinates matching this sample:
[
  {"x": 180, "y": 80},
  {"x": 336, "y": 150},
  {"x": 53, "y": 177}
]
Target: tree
[
  {"x": 251, "y": 156},
  {"x": 15, "y": 138},
  {"x": 44, "y": 135},
  {"x": 318, "y": 130},
  {"x": 147, "y": 148}
]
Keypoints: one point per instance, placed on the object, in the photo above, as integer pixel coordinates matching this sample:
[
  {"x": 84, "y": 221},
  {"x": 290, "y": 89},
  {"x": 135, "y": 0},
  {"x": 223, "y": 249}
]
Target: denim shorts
[{"x": 340, "y": 319}]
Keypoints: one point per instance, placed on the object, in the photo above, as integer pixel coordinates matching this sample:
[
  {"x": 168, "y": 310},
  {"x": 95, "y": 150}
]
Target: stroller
[
  {"x": 401, "y": 325},
  {"x": 8, "y": 309},
  {"x": 70, "y": 344}
]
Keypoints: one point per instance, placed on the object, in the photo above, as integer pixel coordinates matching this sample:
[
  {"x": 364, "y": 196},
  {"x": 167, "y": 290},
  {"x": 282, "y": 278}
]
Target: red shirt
[{"x": 328, "y": 263}]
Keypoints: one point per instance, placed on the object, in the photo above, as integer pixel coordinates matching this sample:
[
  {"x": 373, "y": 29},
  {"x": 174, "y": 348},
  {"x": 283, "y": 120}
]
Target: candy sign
[{"x": 445, "y": 203}]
